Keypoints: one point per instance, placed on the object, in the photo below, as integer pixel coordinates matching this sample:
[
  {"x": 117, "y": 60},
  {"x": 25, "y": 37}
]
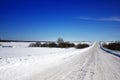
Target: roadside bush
[
  {"x": 45, "y": 45},
  {"x": 37, "y": 44},
  {"x": 32, "y": 45},
  {"x": 53, "y": 44},
  {"x": 112, "y": 46},
  {"x": 65, "y": 45},
  {"x": 80, "y": 46},
  {"x": 71, "y": 45}
]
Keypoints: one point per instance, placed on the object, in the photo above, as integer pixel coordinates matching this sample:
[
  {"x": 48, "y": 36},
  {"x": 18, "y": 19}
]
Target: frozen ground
[{"x": 92, "y": 63}]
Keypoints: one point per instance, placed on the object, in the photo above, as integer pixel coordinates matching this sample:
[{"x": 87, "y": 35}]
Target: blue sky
[{"x": 92, "y": 20}]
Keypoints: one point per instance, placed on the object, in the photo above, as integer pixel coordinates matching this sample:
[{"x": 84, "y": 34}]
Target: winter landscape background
[{"x": 59, "y": 39}]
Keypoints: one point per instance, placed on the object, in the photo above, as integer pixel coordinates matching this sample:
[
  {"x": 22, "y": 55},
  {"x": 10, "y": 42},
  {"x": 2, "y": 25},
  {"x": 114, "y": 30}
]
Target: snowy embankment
[
  {"x": 21, "y": 62},
  {"x": 113, "y": 52},
  {"x": 82, "y": 42}
]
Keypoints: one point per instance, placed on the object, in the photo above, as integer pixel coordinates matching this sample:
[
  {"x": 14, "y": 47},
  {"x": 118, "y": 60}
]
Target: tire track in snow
[{"x": 86, "y": 71}]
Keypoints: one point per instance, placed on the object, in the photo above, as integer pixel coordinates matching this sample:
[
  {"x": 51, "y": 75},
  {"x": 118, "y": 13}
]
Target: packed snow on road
[{"x": 20, "y": 62}]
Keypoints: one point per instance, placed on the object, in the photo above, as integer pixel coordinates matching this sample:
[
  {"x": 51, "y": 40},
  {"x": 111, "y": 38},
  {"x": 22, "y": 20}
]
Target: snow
[
  {"x": 26, "y": 63},
  {"x": 16, "y": 44},
  {"x": 82, "y": 42}
]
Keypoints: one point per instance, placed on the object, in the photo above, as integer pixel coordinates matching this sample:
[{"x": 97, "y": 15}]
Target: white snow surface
[
  {"x": 16, "y": 44},
  {"x": 82, "y": 42},
  {"x": 24, "y": 63}
]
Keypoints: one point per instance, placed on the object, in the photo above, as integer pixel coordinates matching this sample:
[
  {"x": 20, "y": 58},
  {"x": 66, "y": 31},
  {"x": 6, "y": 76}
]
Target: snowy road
[{"x": 91, "y": 64}]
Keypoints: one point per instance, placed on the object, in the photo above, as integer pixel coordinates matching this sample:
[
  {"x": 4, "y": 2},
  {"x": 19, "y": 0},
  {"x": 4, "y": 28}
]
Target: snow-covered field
[
  {"x": 82, "y": 42},
  {"x": 21, "y": 62},
  {"x": 16, "y": 44}
]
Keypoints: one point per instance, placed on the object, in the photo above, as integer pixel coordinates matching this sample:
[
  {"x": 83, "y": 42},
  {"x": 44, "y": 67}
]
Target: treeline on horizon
[{"x": 58, "y": 44}]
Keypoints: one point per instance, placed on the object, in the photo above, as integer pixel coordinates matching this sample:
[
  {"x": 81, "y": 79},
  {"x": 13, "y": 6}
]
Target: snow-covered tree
[{"x": 60, "y": 40}]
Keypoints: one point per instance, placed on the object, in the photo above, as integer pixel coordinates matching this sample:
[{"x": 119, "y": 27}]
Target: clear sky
[{"x": 92, "y": 20}]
